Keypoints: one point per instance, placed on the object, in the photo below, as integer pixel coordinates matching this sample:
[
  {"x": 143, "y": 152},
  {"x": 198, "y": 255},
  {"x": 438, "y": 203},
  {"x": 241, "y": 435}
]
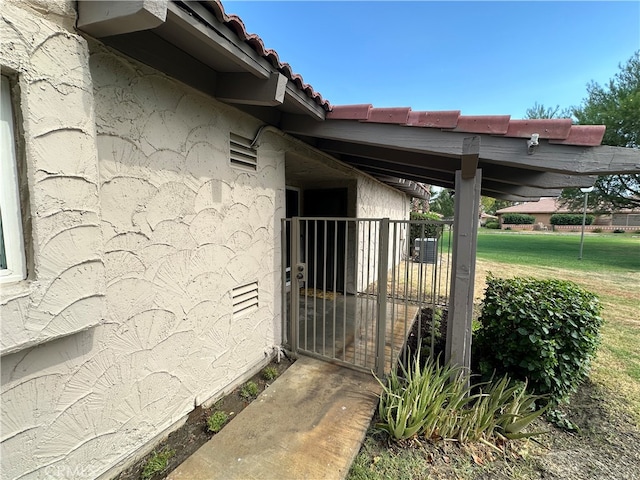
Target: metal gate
[{"x": 353, "y": 288}]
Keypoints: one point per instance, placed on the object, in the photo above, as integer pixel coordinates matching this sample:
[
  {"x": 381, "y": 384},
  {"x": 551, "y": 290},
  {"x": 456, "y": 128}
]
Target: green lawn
[{"x": 601, "y": 252}]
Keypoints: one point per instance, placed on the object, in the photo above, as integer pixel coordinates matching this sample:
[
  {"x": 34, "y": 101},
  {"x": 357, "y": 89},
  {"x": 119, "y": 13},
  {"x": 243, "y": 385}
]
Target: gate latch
[{"x": 301, "y": 268}]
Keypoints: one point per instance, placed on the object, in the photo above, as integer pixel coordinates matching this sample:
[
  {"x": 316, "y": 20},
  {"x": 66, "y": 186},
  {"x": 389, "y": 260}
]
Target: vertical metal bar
[
  {"x": 315, "y": 287},
  {"x": 335, "y": 286},
  {"x": 306, "y": 296},
  {"x": 366, "y": 288},
  {"x": 295, "y": 282},
  {"x": 324, "y": 288},
  {"x": 283, "y": 282},
  {"x": 383, "y": 267},
  {"x": 344, "y": 294},
  {"x": 395, "y": 226}
]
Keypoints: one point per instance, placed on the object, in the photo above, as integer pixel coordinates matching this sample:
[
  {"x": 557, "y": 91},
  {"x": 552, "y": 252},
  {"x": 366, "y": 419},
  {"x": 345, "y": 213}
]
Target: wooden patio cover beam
[
  {"x": 397, "y": 160},
  {"x": 567, "y": 159}
]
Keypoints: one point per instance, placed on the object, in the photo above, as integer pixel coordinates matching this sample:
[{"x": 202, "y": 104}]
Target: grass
[
  {"x": 601, "y": 253},
  {"x": 157, "y": 463},
  {"x": 610, "y": 268}
]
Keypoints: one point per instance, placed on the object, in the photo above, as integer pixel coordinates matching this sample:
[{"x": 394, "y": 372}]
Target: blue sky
[{"x": 482, "y": 58}]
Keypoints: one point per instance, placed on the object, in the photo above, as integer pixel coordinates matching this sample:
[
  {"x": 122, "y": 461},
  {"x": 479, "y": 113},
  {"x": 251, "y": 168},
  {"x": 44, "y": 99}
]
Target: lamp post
[{"x": 586, "y": 192}]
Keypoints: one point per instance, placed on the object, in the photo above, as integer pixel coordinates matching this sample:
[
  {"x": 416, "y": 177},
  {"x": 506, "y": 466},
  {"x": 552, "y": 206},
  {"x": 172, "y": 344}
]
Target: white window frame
[{"x": 9, "y": 193}]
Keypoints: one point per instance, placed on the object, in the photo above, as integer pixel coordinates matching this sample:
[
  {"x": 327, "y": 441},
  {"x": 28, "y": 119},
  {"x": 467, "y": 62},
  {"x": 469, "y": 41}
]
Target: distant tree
[
  {"x": 492, "y": 205},
  {"x": 617, "y": 106},
  {"x": 540, "y": 111},
  {"x": 443, "y": 203}
]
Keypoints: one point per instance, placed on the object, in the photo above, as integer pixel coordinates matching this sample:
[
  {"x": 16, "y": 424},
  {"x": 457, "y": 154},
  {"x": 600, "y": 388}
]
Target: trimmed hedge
[
  {"x": 570, "y": 219},
  {"x": 546, "y": 331},
  {"x": 492, "y": 224},
  {"x": 518, "y": 219},
  {"x": 428, "y": 230}
]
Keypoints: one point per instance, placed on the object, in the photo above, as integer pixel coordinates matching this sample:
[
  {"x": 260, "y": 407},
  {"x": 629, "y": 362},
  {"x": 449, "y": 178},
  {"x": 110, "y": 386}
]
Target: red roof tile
[{"x": 556, "y": 130}]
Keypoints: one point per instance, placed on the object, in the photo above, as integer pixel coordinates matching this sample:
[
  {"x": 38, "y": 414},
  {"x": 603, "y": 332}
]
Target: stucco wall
[
  {"x": 375, "y": 200},
  {"x": 157, "y": 229},
  {"x": 64, "y": 291}
]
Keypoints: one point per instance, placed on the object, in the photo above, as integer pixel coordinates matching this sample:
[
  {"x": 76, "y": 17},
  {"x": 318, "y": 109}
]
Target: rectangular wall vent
[
  {"x": 244, "y": 298},
  {"x": 241, "y": 154}
]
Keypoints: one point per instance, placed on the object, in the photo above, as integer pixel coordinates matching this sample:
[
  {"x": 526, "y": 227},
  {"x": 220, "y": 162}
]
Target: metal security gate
[{"x": 353, "y": 288}]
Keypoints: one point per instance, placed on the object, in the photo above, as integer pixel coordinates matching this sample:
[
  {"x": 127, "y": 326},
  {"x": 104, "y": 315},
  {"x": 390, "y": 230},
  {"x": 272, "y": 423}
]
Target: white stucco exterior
[{"x": 138, "y": 231}]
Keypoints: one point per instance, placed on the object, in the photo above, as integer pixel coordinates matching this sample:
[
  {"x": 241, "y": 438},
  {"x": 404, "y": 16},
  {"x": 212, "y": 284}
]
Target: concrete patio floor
[{"x": 309, "y": 424}]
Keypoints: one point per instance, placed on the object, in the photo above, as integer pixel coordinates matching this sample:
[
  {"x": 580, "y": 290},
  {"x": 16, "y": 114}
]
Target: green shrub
[
  {"x": 597, "y": 230},
  {"x": 618, "y": 230},
  {"x": 570, "y": 219},
  {"x": 249, "y": 391},
  {"x": 216, "y": 421},
  {"x": 157, "y": 462},
  {"x": 518, "y": 219},
  {"x": 492, "y": 224},
  {"x": 543, "y": 331},
  {"x": 426, "y": 401},
  {"x": 430, "y": 228}
]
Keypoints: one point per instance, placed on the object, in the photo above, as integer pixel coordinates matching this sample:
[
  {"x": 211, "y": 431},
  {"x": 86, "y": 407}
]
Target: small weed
[
  {"x": 216, "y": 421},
  {"x": 157, "y": 463},
  {"x": 269, "y": 373},
  {"x": 249, "y": 391}
]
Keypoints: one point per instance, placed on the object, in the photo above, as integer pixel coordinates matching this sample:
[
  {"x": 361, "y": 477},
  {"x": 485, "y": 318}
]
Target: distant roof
[{"x": 544, "y": 205}]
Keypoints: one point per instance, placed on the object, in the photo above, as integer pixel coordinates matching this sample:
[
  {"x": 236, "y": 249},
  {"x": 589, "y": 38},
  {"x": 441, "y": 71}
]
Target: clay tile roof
[
  {"x": 255, "y": 42},
  {"x": 556, "y": 130}
]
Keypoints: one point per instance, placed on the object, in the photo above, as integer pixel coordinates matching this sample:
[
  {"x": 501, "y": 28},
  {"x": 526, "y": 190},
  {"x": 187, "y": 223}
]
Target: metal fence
[{"x": 354, "y": 288}]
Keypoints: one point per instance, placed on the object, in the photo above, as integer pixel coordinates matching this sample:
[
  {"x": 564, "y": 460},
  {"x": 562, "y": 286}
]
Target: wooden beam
[
  {"x": 246, "y": 89},
  {"x": 470, "y": 156},
  {"x": 566, "y": 159},
  {"x": 499, "y": 173},
  {"x": 444, "y": 179},
  {"x": 465, "y": 229},
  {"x": 115, "y": 17}
]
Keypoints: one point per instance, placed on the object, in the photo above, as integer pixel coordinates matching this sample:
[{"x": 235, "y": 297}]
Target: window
[{"x": 12, "y": 261}]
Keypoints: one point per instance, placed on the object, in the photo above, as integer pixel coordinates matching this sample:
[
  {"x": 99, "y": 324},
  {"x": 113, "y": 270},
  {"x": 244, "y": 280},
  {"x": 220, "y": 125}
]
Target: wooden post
[{"x": 465, "y": 231}]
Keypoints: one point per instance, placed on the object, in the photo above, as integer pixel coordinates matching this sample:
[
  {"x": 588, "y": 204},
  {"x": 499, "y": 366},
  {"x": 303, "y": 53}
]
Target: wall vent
[
  {"x": 244, "y": 298},
  {"x": 241, "y": 154}
]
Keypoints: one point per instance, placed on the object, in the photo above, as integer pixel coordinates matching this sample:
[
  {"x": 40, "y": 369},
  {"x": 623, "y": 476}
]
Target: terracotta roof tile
[
  {"x": 556, "y": 130},
  {"x": 488, "y": 124},
  {"x": 583, "y": 135},
  {"x": 546, "y": 128},
  {"x": 389, "y": 115},
  {"x": 442, "y": 119}
]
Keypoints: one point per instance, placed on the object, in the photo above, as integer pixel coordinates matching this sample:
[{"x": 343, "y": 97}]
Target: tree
[
  {"x": 443, "y": 203},
  {"x": 540, "y": 111},
  {"x": 617, "y": 106},
  {"x": 492, "y": 205}
]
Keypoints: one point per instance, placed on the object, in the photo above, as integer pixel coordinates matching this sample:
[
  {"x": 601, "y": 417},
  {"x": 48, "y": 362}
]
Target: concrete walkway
[{"x": 309, "y": 424}]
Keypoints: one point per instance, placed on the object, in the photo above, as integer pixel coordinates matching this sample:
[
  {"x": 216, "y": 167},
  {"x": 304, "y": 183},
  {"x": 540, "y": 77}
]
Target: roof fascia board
[
  {"x": 113, "y": 17},
  {"x": 245, "y": 89},
  {"x": 186, "y": 31},
  {"x": 302, "y": 102},
  {"x": 567, "y": 159}
]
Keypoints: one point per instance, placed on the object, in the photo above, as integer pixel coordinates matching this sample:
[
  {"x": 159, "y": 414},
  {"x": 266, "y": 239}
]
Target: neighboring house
[
  {"x": 544, "y": 208},
  {"x": 149, "y": 158}
]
